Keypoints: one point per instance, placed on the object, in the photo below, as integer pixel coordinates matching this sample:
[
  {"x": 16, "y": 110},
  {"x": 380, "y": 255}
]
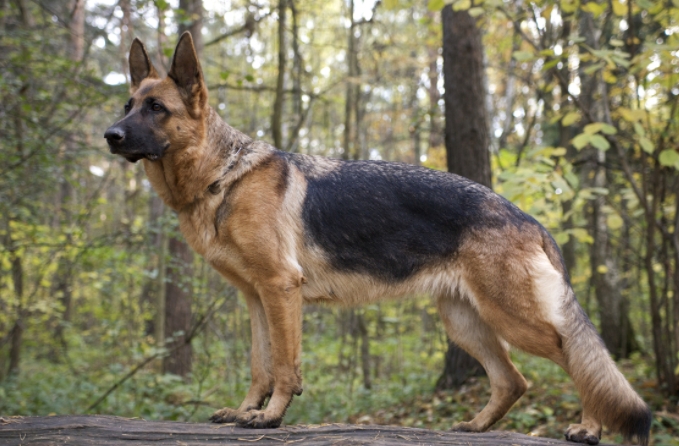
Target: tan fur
[{"x": 240, "y": 207}]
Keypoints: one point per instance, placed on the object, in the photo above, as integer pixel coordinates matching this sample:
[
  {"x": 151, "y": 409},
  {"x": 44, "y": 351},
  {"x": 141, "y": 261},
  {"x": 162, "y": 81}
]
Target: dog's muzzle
[{"x": 115, "y": 136}]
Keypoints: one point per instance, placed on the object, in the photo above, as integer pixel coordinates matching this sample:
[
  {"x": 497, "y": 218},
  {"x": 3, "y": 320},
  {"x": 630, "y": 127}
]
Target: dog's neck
[{"x": 184, "y": 177}]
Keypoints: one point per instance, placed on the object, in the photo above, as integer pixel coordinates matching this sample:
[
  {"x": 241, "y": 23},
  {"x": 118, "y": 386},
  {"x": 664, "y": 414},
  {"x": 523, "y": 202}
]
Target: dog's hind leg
[
  {"x": 260, "y": 364},
  {"x": 466, "y": 328}
]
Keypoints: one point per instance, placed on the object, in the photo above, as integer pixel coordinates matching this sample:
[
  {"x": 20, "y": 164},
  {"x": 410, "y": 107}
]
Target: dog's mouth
[{"x": 134, "y": 157}]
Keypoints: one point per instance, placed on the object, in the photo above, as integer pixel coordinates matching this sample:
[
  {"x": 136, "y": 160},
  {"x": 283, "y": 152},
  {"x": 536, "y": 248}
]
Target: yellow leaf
[
  {"x": 462, "y": 5},
  {"x": 436, "y": 5},
  {"x": 594, "y": 8},
  {"x": 602, "y": 269},
  {"x": 614, "y": 221},
  {"x": 570, "y": 119},
  {"x": 619, "y": 9},
  {"x": 593, "y": 128}
]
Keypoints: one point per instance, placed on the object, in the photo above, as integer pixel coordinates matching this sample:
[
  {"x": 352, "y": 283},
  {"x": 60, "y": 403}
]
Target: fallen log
[{"x": 108, "y": 430}]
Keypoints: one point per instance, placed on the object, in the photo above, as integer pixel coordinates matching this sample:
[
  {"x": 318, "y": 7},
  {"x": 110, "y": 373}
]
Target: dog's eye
[
  {"x": 156, "y": 107},
  {"x": 127, "y": 108}
]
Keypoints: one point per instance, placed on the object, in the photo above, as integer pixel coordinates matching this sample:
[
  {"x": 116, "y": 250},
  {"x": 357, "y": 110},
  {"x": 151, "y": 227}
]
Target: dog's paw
[
  {"x": 225, "y": 415},
  {"x": 580, "y": 433},
  {"x": 258, "y": 419},
  {"x": 465, "y": 427}
]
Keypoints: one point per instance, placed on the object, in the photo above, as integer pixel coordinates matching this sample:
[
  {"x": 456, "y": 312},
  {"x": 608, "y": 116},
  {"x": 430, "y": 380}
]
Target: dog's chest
[{"x": 198, "y": 227}]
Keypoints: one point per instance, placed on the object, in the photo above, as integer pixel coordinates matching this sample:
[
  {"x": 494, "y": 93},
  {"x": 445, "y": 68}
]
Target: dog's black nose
[{"x": 114, "y": 134}]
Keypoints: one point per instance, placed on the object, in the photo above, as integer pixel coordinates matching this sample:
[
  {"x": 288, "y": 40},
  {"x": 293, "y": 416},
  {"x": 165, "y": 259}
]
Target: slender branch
[{"x": 199, "y": 325}]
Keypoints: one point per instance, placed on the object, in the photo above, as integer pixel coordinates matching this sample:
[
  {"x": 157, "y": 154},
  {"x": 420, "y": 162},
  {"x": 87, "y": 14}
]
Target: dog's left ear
[{"x": 188, "y": 75}]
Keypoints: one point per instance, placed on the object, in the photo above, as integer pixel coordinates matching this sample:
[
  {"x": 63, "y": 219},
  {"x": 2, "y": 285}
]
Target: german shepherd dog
[{"x": 288, "y": 229}]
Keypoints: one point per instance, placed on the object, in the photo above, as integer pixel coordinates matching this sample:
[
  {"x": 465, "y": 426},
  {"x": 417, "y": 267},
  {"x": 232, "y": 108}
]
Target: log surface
[{"x": 108, "y": 430}]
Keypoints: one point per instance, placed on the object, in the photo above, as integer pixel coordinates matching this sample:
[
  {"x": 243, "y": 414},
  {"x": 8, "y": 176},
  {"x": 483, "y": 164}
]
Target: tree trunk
[
  {"x": 466, "y": 138},
  {"x": 277, "y": 117},
  {"x": 193, "y": 11},
  {"x": 178, "y": 308},
  {"x": 352, "y": 108},
  {"x": 613, "y": 314}
]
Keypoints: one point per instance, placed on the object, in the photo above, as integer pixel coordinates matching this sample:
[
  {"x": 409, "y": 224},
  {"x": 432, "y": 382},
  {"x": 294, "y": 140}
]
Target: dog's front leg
[
  {"x": 260, "y": 364},
  {"x": 282, "y": 302}
]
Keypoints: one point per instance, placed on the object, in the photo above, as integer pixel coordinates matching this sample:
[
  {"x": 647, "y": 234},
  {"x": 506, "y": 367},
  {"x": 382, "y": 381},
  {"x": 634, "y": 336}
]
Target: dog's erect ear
[
  {"x": 188, "y": 76},
  {"x": 140, "y": 65}
]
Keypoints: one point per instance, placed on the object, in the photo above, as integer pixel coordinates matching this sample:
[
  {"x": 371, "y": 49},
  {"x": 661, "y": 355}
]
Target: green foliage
[{"x": 77, "y": 225}]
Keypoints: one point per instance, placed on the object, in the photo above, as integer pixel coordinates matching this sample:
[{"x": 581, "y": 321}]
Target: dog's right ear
[{"x": 140, "y": 65}]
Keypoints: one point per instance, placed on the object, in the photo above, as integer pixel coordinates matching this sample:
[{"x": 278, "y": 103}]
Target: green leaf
[
  {"x": 561, "y": 238},
  {"x": 646, "y": 144},
  {"x": 523, "y": 56},
  {"x": 639, "y": 130},
  {"x": 436, "y": 5},
  {"x": 599, "y": 142},
  {"x": 581, "y": 140},
  {"x": 609, "y": 129},
  {"x": 669, "y": 157},
  {"x": 476, "y": 11},
  {"x": 581, "y": 235},
  {"x": 462, "y": 5},
  {"x": 570, "y": 119}
]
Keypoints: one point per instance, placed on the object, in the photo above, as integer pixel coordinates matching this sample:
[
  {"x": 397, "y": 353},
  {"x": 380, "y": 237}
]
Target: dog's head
[{"x": 162, "y": 115}]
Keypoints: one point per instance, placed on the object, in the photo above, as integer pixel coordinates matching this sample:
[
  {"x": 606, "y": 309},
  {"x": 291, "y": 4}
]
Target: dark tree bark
[
  {"x": 178, "y": 308},
  {"x": 466, "y": 138},
  {"x": 466, "y": 133},
  {"x": 277, "y": 116},
  {"x": 616, "y": 330},
  {"x": 350, "y": 98},
  {"x": 193, "y": 12}
]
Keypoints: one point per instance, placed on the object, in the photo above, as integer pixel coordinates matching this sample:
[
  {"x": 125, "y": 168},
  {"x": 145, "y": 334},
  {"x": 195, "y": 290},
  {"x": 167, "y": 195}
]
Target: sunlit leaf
[
  {"x": 581, "y": 140},
  {"x": 462, "y": 5},
  {"x": 582, "y": 235},
  {"x": 669, "y": 158},
  {"x": 646, "y": 144},
  {"x": 614, "y": 221},
  {"x": 593, "y": 128},
  {"x": 609, "y": 129},
  {"x": 436, "y": 5},
  {"x": 570, "y": 118},
  {"x": 599, "y": 142},
  {"x": 619, "y": 9},
  {"x": 476, "y": 11}
]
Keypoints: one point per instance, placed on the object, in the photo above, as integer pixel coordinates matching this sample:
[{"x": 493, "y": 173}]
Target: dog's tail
[
  {"x": 606, "y": 394},
  {"x": 604, "y": 391}
]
